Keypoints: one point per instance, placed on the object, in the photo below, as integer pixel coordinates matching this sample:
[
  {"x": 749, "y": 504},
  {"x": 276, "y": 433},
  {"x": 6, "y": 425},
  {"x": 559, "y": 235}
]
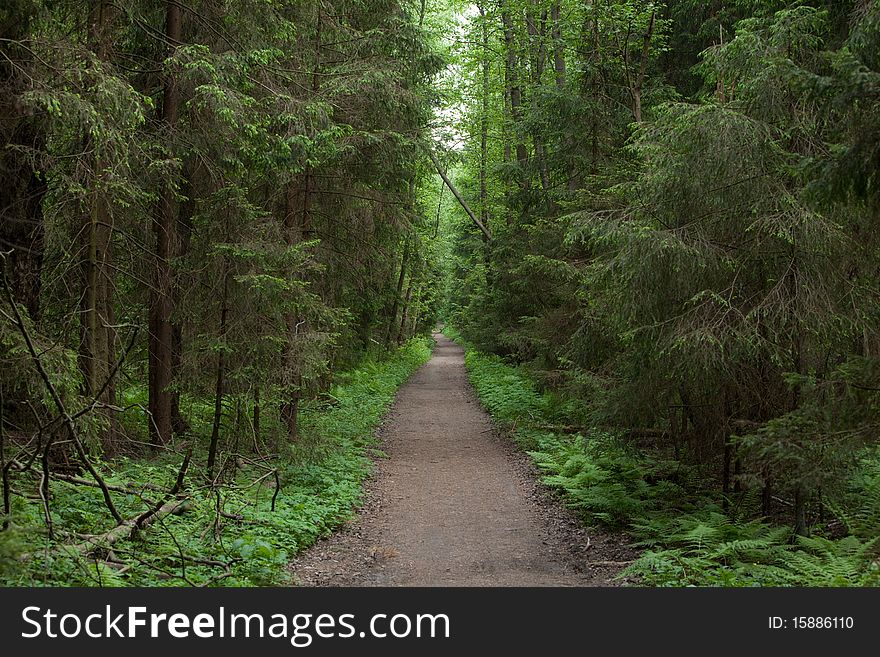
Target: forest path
[{"x": 456, "y": 504}]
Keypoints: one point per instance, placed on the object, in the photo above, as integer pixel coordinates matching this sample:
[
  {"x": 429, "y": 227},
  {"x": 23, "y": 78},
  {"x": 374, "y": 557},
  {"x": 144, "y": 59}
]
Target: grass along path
[{"x": 249, "y": 544}]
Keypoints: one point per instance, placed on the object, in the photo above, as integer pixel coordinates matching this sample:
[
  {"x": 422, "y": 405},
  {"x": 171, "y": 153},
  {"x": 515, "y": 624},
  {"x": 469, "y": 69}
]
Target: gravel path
[{"x": 456, "y": 504}]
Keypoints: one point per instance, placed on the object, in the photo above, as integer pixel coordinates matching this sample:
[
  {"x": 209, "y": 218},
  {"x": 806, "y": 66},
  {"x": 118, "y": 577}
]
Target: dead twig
[{"x": 59, "y": 404}]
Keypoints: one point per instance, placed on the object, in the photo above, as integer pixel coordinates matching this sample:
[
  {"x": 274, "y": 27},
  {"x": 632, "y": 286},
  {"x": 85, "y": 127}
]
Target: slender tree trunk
[
  {"x": 293, "y": 228},
  {"x": 558, "y": 46},
  {"x": 507, "y": 150},
  {"x": 729, "y": 449},
  {"x": 401, "y": 331},
  {"x": 257, "y": 415},
  {"x": 458, "y": 197},
  {"x": 800, "y": 512},
  {"x": 296, "y": 210},
  {"x": 4, "y": 471},
  {"x": 220, "y": 375},
  {"x": 187, "y": 210},
  {"x": 569, "y": 144},
  {"x": 298, "y": 220},
  {"x": 290, "y": 415},
  {"x": 484, "y": 124},
  {"x": 392, "y": 320},
  {"x": 643, "y": 67},
  {"x": 514, "y": 91},
  {"x": 88, "y": 351},
  {"x": 414, "y": 317},
  {"x": 97, "y": 354},
  {"x": 164, "y": 227},
  {"x": 539, "y": 56},
  {"x": 484, "y": 144}
]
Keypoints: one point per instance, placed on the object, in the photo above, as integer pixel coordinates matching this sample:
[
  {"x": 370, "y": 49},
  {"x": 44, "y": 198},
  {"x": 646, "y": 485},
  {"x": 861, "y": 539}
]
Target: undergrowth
[
  {"x": 685, "y": 537},
  {"x": 248, "y": 546}
]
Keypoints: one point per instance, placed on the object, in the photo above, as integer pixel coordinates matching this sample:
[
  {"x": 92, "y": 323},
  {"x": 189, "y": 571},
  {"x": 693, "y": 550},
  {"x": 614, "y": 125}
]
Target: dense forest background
[
  {"x": 682, "y": 198},
  {"x": 224, "y": 238}
]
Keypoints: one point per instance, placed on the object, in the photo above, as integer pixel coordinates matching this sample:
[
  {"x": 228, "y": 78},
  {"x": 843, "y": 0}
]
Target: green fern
[
  {"x": 845, "y": 562},
  {"x": 689, "y": 540},
  {"x": 858, "y": 507}
]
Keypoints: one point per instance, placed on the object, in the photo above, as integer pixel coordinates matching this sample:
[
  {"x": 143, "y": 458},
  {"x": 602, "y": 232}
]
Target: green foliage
[
  {"x": 316, "y": 495},
  {"x": 682, "y": 197},
  {"x": 506, "y": 394},
  {"x": 248, "y": 187},
  {"x": 684, "y": 246},
  {"x": 607, "y": 484},
  {"x": 709, "y": 549},
  {"x": 857, "y": 504},
  {"x": 687, "y": 538}
]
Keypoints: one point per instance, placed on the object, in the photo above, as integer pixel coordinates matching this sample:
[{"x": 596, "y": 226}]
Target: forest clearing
[{"x": 229, "y": 231}]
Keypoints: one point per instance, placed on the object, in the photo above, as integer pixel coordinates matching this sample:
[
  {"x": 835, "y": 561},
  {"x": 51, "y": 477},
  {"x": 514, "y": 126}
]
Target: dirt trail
[{"x": 455, "y": 504}]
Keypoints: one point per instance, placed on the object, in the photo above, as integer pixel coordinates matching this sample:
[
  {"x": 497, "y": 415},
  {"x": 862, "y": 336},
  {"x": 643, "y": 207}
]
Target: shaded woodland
[{"x": 228, "y": 226}]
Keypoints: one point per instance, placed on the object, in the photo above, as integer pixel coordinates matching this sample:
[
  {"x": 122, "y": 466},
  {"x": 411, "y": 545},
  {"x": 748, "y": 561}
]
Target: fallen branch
[
  {"x": 62, "y": 411},
  {"x": 128, "y": 528},
  {"x": 782, "y": 501},
  {"x": 124, "y": 530},
  {"x": 458, "y": 196},
  {"x": 178, "y": 484}
]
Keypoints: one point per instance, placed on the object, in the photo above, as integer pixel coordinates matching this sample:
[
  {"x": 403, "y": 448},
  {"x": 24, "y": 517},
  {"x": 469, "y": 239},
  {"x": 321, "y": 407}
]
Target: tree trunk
[
  {"x": 297, "y": 207},
  {"x": 558, "y": 46},
  {"x": 539, "y": 56},
  {"x": 569, "y": 144},
  {"x": 97, "y": 353},
  {"x": 164, "y": 227},
  {"x": 401, "y": 332},
  {"x": 293, "y": 232},
  {"x": 298, "y": 224},
  {"x": 257, "y": 415},
  {"x": 800, "y": 512},
  {"x": 507, "y": 151},
  {"x": 290, "y": 416},
  {"x": 458, "y": 196},
  {"x": 484, "y": 126},
  {"x": 187, "y": 210},
  {"x": 221, "y": 375},
  {"x": 4, "y": 471},
  {"x": 726, "y": 475},
  {"x": 643, "y": 66},
  {"x": 514, "y": 92},
  {"x": 392, "y": 320}
]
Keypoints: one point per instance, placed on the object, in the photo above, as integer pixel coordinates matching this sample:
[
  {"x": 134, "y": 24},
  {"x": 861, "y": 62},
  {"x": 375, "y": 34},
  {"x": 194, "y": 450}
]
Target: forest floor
[{"x": 455, "y": 503}]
